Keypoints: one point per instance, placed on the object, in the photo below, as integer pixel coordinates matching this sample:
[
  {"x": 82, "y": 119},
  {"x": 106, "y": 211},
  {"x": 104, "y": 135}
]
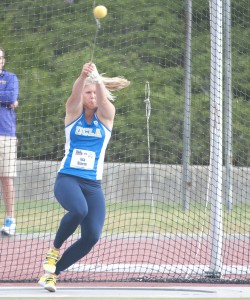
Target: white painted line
[
  {"x": 141, "y": 292},
  {"x": 151, "y": 268}
]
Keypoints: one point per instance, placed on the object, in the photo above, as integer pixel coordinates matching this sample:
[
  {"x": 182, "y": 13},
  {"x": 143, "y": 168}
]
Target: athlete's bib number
[{"x": 83, "y": 159}]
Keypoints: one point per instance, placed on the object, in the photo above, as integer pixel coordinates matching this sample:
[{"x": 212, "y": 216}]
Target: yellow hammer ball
[{"x": 100, "y": 11}]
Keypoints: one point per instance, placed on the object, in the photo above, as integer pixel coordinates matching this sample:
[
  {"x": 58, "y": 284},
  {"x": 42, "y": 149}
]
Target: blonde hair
[
  {"x": 111, "y": 84},
  {"x": 115, "y": 83}
]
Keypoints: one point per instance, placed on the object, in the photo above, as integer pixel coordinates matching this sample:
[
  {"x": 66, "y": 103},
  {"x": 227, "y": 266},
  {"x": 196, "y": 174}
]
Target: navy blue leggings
[{"x": 85, "y": 203}]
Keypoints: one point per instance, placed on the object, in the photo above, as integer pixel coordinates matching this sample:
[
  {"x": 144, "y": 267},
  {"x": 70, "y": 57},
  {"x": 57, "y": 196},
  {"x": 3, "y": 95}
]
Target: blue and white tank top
[{"x": 85, "y": 148}]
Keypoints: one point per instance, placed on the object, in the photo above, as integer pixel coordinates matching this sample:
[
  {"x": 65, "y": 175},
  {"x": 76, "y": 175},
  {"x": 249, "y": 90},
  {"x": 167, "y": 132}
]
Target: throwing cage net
[{"x": 177, "y": 168}]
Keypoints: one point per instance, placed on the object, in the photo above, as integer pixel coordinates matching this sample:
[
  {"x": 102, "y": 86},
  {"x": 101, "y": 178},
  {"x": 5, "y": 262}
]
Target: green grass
[
  {"x": 141, "y": 217},
  {"x": 138, "y": 217}
]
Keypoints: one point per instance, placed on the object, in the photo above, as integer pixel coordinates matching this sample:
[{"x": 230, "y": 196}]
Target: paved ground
[{"x": 193, "y": 292}]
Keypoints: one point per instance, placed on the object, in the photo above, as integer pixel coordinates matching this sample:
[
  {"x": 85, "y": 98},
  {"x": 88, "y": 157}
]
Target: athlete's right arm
[{"x": 74, "y": 103}]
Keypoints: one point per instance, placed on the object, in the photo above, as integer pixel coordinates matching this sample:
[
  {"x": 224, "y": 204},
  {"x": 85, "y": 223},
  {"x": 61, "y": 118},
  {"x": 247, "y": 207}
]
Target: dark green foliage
[{"x": 47, "y": 43}]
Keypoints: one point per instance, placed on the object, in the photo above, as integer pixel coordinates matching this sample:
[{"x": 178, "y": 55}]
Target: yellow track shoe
[{"x": 51, "y": 259}]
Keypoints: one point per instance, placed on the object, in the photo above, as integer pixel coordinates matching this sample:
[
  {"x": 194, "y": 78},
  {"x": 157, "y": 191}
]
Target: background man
[{"x": 9, "y": 90}]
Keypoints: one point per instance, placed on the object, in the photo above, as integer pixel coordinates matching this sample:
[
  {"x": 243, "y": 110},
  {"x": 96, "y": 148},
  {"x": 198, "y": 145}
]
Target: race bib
[{"x": 82, "y": 159}]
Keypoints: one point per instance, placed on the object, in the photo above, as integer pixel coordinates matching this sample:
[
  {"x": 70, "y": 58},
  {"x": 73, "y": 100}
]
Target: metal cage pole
[
  {"x": 186, "y": 173},
  {"x": 228, "y": 105},
  {"x": 216, "y": 138}
]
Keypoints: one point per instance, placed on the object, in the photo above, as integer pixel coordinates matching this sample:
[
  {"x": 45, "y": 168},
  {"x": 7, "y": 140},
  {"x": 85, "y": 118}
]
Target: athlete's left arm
[{"x": 105, "y": 109}]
